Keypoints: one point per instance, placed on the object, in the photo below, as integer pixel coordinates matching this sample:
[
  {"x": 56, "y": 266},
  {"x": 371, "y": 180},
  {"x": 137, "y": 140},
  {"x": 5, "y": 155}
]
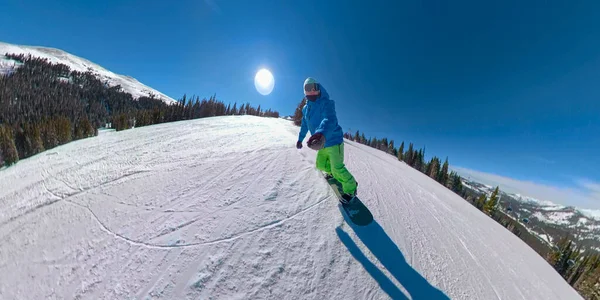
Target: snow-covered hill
[
  {"x": 56, "y": 56},
  {"x": 228, "y": 208}
]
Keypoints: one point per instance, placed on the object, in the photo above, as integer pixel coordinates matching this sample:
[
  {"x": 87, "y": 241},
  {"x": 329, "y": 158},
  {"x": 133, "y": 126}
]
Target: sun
[{"x": 264, "y": 81}]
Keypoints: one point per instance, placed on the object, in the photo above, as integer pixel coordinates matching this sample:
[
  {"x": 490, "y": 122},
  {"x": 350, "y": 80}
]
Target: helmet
[{"x": 311, "y": 89}]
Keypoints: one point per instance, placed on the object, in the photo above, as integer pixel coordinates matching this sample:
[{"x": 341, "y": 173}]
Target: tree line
[
  {"x": 44, "y": 105},
  {"x": 415, "y": 158},
  {"x": 186, "y": 109}
]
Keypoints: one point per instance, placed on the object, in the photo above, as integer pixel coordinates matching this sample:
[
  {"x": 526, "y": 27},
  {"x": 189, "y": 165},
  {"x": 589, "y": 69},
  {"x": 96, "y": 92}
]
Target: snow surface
[
  {"x": 56, "y": 56},
  {"x": 228, "y": 208},
  {"x": 556, "y": 217},
  {"x": 534, "y": 200},
  {"x": 590, "y": 213},
  {"x": 552, "y": 208},
  {"x": 561, "y": 217},
  {"x": 541, "y": 217}
]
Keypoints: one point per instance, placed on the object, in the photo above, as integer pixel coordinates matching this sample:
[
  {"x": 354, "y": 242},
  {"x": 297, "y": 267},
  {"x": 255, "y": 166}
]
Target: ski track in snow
[{"x": 227, "y": 208}]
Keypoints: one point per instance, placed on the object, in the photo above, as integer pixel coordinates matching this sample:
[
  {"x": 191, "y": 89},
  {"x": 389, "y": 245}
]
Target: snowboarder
[{"x": 319, "y": 116}]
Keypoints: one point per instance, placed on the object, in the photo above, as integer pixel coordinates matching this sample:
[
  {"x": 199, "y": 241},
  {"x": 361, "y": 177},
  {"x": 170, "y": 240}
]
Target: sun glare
[{"x": 264, "y": 81}]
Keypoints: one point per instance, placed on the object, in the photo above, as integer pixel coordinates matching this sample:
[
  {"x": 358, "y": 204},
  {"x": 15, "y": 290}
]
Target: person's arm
[
  {"x": 329, "y": 118},
  {"x": 303, "y": 127}
]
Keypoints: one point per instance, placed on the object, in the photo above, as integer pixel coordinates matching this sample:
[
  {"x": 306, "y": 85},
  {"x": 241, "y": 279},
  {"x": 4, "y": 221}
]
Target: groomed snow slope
[
  {"x": 56, "y": 56},
  {"x": 227, "y": 208}
]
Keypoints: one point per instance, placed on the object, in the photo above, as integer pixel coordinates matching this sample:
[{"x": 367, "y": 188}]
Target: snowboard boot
[
  {"x": 328, "y": 176},
  {"x": 347, "y": 198}
]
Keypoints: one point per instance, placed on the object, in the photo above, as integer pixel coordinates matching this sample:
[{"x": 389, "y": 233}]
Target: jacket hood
[{"x": 324, "y": 94}]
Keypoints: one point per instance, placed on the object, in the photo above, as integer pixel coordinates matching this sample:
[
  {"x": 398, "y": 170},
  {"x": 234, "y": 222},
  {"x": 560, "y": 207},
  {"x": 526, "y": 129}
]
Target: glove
[
  {"x": 299, "y": 145},
  {"x": 315, "y": 139}
]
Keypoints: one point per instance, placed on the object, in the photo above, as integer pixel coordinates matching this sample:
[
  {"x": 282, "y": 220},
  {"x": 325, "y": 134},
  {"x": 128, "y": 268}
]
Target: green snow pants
[{"x": 331, "y": 161}]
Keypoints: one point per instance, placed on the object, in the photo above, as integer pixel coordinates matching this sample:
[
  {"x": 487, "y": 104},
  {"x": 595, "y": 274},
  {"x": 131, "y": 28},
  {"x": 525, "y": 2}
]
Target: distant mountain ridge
[
  {"x": 56, "y": 56},
  {"x": 546, "y": 219}
]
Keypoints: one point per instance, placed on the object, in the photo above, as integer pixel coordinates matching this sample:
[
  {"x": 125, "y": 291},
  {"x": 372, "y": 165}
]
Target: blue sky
[{"x": 510, "y": 87}]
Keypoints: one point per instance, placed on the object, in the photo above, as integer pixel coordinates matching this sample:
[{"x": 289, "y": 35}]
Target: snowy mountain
[
  {"x": 211, "y": 209},
  {"x": 56, "y": 56},
  {"x": 548, "y": 220}
]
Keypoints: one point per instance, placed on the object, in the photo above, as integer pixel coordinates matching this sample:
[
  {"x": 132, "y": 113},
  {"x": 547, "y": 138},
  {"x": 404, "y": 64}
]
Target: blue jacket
[{"x": 319, "y": 117}]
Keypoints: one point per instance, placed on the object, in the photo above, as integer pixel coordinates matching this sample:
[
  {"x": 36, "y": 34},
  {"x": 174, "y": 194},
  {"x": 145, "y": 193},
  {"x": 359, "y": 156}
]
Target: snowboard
[{"x": 358, "y": 213}]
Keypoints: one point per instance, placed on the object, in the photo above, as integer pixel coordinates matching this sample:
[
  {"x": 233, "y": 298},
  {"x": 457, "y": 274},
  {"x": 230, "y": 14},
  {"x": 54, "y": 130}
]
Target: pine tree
[
  {"x": 554, "y": 256},
  {"x": 298, "y": 113},
  {"x": 562, "y": 264},
  {"x": 444, "y": 172},
  {"x": 158, "y": 116},
  {"x": 189, "y": 110},
  {"x": 421, "y": 160},
  {"x": 401, "y": 151},
  {"x": 408, "y": 156},
  {"x": 418, "y": 160},
  {"x": 480, "y": 202},
  {"x": 573, "y": 259},
  {"x": 450, "y": 182},
  {"x": 78, "y": 132},
  {"x": 234, "y": 110},
  {"x": 119, "y": 122},
  {"x": 49, "y": 135},
  {"x": 383, "y": 145},
  {"x": 196, "y": 109},
  {"x": 28, "y": 140},
  {"x": 88, "y": 129},
  {"x": 37, "y": 146},
  {"x": 490, "y": 206},
  {"x": 455, "y": 183},
  {"x": 433, "y": 167},
  {"x": 8, "y": 149}
]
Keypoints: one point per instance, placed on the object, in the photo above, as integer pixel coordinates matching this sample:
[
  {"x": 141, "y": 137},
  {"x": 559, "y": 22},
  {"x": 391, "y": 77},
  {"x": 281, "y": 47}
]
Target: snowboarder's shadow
[{"x": 388, "y": 254}]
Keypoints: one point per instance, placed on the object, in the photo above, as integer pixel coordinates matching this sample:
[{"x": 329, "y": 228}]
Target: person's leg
[
  {"x": 322, "y": 162},
  {"x": 339, "y": 170},
  {"x": 328, "y": 168}
]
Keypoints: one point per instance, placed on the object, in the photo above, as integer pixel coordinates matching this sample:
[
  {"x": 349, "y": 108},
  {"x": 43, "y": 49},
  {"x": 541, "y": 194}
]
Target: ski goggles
[{"x": 311, "y": 89}]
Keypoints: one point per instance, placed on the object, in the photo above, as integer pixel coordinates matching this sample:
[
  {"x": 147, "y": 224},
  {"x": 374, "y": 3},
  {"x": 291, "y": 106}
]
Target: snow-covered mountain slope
[
  {"x": 56, "y": 56},
  {"x": 228, "y": 208}
]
